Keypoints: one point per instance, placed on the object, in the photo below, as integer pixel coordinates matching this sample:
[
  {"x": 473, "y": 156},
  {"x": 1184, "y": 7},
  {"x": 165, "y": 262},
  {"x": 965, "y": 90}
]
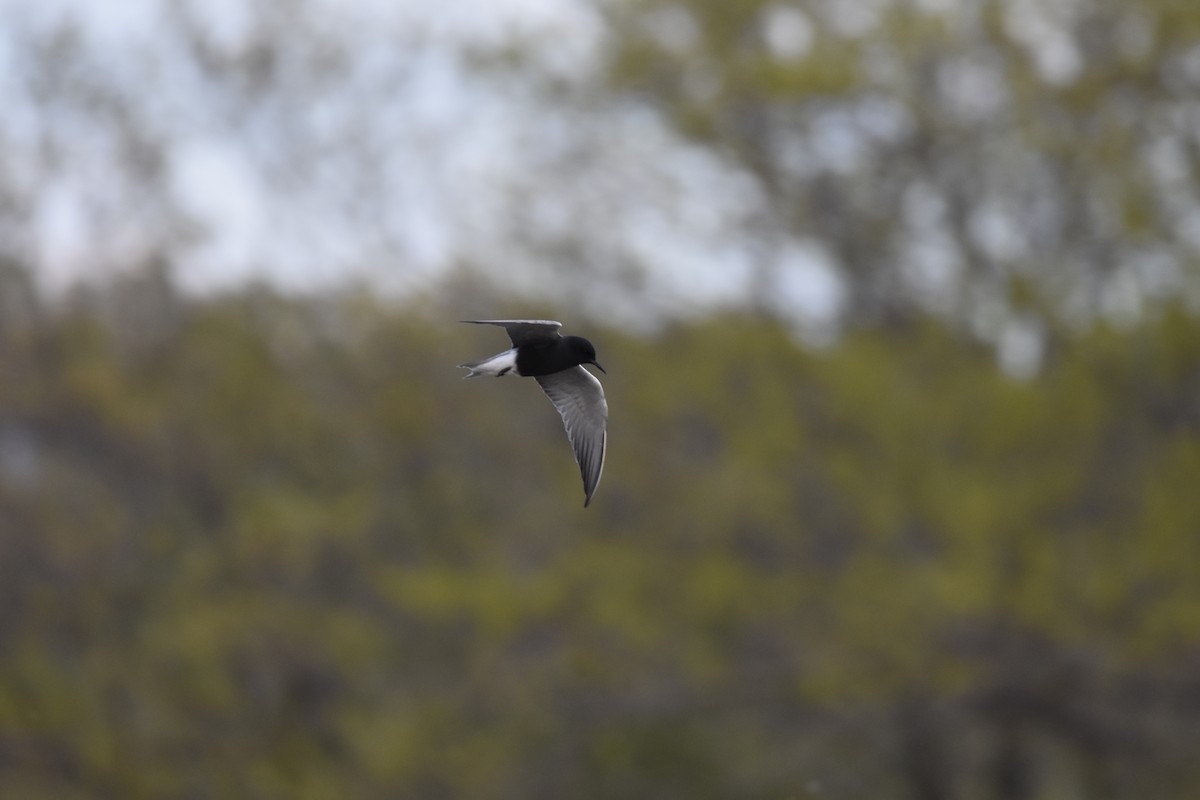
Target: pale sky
[
  {"x": 377, "y": 147},
  {"x": 418, "y": 162},
  {"x": 395, "y": 142}
]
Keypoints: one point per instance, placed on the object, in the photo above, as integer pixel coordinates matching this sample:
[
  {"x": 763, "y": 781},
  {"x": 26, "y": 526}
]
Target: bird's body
[{"x": 555, "y": 361}]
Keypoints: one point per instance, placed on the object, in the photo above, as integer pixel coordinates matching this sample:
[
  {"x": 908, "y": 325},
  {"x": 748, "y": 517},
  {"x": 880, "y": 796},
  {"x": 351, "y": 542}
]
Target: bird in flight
[{"x": 554, "y": 361}]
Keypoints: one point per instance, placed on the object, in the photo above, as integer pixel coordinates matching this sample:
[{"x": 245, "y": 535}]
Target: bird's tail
[
  {"x": 497, "y": 365},
  {"x": 471, "y": 365}
]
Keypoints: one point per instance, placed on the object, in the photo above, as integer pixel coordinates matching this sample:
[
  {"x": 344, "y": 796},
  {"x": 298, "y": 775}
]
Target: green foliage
[
  {"x": 279, "y": 549},
  {"x": 898, "y": 134}
]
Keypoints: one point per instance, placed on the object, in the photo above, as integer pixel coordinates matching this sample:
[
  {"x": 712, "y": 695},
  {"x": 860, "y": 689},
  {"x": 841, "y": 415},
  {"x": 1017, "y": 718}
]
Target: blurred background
[{"x": 900, "y": 304}]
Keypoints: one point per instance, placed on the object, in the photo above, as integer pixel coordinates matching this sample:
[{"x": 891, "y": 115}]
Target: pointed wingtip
[{"x": 588, "y": 495}]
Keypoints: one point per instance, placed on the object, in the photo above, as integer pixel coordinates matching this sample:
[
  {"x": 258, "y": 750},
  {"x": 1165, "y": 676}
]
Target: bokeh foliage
[
  {"x": 988, "y": 161},
  {"x": 262, "y": 547},
  {"x": 1012, "y": 166}
]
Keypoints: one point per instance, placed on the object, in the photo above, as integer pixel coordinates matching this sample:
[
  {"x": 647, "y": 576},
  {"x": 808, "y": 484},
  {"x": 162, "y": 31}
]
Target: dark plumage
[{"x": 539, "y": 352}]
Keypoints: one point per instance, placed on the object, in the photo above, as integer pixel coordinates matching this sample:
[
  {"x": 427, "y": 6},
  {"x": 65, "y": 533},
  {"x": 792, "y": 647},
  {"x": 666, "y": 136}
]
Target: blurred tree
[
  {"x": 257, "y": 545},
  {"x": 276, "y": 548},
  {"x": 1015, "y": 167},
  {"x": 998, "y": 163}
]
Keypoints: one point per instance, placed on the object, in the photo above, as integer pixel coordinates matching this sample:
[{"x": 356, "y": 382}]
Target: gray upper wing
[
  {"x": 579, "y": 398},
  {"x": 524, "y": 331}
]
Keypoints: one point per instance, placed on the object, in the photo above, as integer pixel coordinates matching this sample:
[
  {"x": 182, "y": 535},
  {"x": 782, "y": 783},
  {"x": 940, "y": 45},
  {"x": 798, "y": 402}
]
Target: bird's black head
[{"x": 582, "y": 350}]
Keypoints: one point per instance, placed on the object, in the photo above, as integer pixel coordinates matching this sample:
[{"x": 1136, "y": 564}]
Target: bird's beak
[{"x": 602, "y": 369}]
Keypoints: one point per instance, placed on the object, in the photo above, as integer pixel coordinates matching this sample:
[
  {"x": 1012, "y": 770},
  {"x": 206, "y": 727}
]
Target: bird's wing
[
  {"x": 524, "y": 331},
  {"x": 579, "y": 398}
]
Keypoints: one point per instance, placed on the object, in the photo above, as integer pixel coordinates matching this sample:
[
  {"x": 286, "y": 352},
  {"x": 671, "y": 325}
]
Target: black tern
[{"x": 554, "y": 361}]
